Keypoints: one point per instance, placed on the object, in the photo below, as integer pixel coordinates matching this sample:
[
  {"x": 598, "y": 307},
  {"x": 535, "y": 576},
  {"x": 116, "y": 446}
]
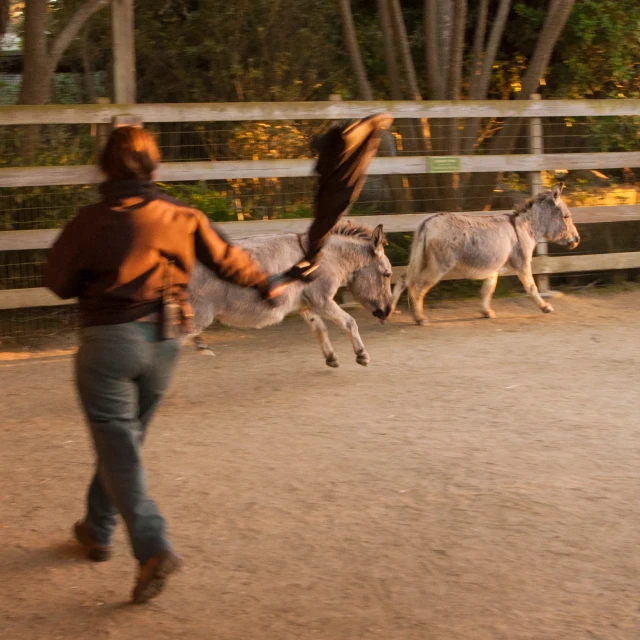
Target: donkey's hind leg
[
  {"x": 198, "y": 342},
  {"x": 418, "y": 291},
  {"x": 487, "y": 291},
  {"x": 320, "y": 329},
  {"x": 203, "y": 318},
  {"x": 202, "y": 347},
  {"x": 436, "y": 267},
  {"x": 398, "y": 290}
]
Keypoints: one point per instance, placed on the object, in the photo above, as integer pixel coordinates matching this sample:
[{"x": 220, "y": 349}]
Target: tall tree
[
  {"x": 42, "y": 52},
  {"x": 445, "y": 35},
  {"x": 390, "y": 53},
  {"x": 481, "y": 185},
  {"x": 4, "y": 17},
  {"x": 402, "y": 39},
  {"x": 351, "y": 42},
  {"x": 483, "y": 59},
  {"x": 387, "y": 145}
]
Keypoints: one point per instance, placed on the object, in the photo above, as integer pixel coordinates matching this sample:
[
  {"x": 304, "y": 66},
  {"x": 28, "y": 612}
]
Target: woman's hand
[{"x": 272, "y": 287}]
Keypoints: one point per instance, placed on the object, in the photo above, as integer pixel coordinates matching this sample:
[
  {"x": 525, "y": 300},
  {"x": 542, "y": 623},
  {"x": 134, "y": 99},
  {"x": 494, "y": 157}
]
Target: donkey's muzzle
[
  {"x": 382, "y": 314},
  {"x": 573, "y": 242}
]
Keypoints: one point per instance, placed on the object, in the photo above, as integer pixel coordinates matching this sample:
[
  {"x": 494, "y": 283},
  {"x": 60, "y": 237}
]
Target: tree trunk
[
  {"x": 457, "y": 50},
  {"x": 37, "y": 71},
  {"x": 448, "y": 133},
  {"x": 405, "y": 52},
  {"x": 437, "y": 87},
  {"x": 401, "y": 196},
  {"x": 87, "y": 68},
  {"x": 416, "y": 134},
  {"x": 390, "y": 58},
  {"x": 478, "y": 43},
  {"x": 418, "y": 141},
  {"x": 40, "y": 59},
  {"x": 455, "y": 70},
  {"x": 444, "y": 25},
  {"x": 351, "y": 41},
  {"x": 387, "y": 147},
  {"x": 481, "y": 185},
  {"x": 489, "y": 57},
  {"x": 434, "y": 71},
  {"x": 4, "y": 17},
  {"x": 554, "y": 24},
  {"x": 481, "y": 71}
]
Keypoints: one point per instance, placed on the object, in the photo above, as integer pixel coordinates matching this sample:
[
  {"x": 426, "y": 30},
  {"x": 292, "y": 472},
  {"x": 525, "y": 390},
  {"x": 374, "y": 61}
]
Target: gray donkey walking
[
  {"x": 353, "y": 256},
  {"x": 476, "y": 247}
]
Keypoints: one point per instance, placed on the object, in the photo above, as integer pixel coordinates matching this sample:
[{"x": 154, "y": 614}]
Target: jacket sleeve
[
  {"x": 63, "y": 271},
  {"x": 228, "y": 261}
]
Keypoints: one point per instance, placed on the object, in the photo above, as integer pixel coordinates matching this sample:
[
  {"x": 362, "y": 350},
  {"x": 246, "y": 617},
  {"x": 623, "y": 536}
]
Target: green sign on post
[{"x": 443, "y": 164}]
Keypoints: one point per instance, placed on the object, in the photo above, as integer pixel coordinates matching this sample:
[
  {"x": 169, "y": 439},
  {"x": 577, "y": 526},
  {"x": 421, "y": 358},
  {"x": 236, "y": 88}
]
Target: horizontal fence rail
[
  {"x": 392, "y": 223},
  {"x": 403, "y": 165},
  {"x": 248, "y": 169},
  {"x": 238, "y": 111},
  {"x": 44, "y": 238},
  {"x": 42, "y": 297}
]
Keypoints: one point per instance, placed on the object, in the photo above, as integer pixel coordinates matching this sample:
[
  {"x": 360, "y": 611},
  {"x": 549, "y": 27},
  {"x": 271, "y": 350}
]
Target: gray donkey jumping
[
  {"x": 477, "y": 247},
  {"x": 353, "y": 256}
]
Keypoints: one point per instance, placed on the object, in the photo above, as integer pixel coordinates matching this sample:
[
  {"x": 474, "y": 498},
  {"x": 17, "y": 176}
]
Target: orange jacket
[{"x": 114, "y": 255}]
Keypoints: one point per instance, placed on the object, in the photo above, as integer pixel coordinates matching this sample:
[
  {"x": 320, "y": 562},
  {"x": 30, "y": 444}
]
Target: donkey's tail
[
  {"x": 418, "y": 256},
  {"x": 417, "y": 261}
]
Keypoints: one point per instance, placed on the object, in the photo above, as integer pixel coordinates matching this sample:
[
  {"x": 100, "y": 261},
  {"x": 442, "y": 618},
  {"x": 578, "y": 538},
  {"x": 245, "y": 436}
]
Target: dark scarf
[{"x": 116, "y": 190}]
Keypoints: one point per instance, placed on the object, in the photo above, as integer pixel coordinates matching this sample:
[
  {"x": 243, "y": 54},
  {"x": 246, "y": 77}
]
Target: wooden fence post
[
  {"x": 101, "y": 130},
  {"x": 535, "y": 187},
  {"x": 126, "y": 121}
]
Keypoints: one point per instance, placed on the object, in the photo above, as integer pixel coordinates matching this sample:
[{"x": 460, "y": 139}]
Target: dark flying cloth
[{"x": 344, "y": 154}]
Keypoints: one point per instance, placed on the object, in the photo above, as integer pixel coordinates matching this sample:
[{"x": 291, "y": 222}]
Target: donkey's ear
[
  {"x": 556, "y": 192},
  {"x": 378, "y": 237}
]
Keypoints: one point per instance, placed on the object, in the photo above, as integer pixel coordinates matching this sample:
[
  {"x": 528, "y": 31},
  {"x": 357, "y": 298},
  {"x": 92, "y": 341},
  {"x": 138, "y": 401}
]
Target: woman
[{"x": 125, "y": 257}]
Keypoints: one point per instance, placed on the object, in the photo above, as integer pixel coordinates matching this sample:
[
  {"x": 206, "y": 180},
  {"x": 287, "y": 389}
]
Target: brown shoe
[
  {"x": 96, "y": 552},
  {"x": 153, "y": 576}
]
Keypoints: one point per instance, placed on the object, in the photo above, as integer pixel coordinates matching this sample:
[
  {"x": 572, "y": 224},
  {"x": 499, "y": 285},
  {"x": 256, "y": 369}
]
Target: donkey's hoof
[
  {"x": 363, "y": 359},
  {"x": 489, "y": 313},
  {"x": 203, "y": 349},
  {"x": 422, "y": 322},
  {"x": 332, "y": 361},
  {"x": 547, "y": 308}
]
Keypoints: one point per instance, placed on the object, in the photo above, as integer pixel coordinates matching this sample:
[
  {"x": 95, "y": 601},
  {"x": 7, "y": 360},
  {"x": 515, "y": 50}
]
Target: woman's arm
[
  {"x": 229, "y": 262},
  {"x": 63, "y": 271}
]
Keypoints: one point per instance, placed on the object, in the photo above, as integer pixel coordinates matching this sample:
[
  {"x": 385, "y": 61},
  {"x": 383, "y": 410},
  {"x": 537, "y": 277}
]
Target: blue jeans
[{"x": 122, "y": 372}]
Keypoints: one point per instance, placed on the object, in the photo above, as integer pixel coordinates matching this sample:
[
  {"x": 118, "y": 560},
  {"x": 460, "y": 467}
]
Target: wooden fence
[{"x": 403, "y": 165}]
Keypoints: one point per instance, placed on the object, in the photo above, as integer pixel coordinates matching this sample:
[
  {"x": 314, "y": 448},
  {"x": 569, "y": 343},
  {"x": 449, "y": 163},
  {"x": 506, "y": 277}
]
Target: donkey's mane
[
  {"x": 349, "y": 229},
  {"x": 523, "y": 207}
]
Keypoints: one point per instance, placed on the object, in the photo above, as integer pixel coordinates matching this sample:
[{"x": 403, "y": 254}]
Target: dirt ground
[{"x": 478, "y": 480}]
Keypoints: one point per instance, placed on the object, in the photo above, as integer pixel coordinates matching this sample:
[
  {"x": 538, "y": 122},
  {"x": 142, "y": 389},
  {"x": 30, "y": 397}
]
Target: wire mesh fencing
[
  {"x": 48, "y": 207},
  {"x": 79, "y": 144}
]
